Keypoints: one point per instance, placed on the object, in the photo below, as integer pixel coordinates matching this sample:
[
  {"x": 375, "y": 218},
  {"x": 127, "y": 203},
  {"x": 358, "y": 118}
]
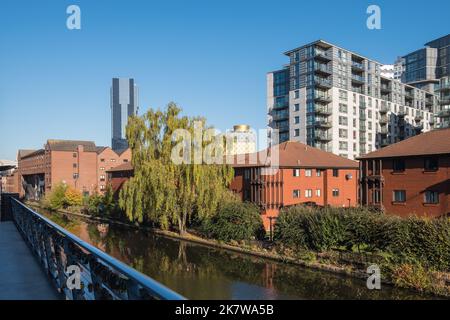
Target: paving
[{"x": 21, "y": 276}]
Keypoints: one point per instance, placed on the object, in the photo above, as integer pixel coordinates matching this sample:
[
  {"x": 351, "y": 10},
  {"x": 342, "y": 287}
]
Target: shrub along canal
[{"x": 201, "y": 272}]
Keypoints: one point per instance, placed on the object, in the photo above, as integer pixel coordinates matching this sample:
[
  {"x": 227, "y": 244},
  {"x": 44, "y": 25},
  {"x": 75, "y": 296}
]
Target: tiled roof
[
  {"x": 24, "y": 152},
  {"x": 71, "y": 145},
  {"x": 126, "y": 166},
  {"x": 101, "y": 149},
  {"x": 428, "y": 143},
  {"x": 295, "y": 154}
]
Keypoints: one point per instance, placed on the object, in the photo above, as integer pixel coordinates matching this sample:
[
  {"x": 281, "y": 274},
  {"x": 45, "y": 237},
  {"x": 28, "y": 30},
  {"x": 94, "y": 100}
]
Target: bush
[
  {"x": 56, "y": 199},
  {"x": 73, "y": 197},
  {"x": 412, "y": 240},
  {"x": 235, "y": 221}
]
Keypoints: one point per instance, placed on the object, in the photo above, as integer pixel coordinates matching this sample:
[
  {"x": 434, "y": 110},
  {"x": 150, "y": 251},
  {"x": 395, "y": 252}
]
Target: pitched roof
[
  {"x": 24, "y": 152},
  {"x": 295, "y": 154},
  {"x": 126, "y": 166},
  {"x": 71, "y": 145},
  {"x": 428, "y": 143},
  {"x": 101, "y": 149}
]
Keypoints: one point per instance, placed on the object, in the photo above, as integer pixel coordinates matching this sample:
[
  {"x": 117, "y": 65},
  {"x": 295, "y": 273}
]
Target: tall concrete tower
[{"x": 124, "y": 103}]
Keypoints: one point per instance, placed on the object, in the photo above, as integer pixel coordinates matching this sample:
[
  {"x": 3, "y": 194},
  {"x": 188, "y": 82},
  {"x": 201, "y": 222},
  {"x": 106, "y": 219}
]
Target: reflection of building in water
[
  {"x": 268, "y": 275},
  {"x": 242, "y": 138}
]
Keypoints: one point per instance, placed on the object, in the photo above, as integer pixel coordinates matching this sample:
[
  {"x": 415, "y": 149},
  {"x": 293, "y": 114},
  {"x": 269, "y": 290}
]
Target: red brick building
[
  {"x": 119, "y": 175},
  {"x": 305, "y": 175},
  {"x": 75, "y": 163},
  {"x": 108, "y": 159},
  {"x": 411, "y": 177}
]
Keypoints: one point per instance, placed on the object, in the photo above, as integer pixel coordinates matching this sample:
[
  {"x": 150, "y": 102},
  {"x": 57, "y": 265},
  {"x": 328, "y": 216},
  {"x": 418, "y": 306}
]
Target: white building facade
[{"x": 339, "y": 101}]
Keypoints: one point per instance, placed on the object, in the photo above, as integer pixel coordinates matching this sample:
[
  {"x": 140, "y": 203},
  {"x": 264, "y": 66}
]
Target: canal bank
[{"x": 351, "y": 282}]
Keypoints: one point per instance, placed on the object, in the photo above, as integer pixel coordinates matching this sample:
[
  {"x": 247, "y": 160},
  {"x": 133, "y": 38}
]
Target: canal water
[{"x": 201, "y": 272}]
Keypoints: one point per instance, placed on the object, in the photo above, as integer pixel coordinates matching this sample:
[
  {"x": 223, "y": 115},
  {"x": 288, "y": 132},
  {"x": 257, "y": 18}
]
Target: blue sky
[{"x": 211, "y": 57}]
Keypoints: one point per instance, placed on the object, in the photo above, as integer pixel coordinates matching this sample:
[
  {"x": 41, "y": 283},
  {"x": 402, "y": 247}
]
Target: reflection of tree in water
[{"x": 201, "y": 272}]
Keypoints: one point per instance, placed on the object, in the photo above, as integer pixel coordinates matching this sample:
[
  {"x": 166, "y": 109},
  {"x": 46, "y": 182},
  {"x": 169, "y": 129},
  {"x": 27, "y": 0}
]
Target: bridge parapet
[{"x": 62, "y": 255}]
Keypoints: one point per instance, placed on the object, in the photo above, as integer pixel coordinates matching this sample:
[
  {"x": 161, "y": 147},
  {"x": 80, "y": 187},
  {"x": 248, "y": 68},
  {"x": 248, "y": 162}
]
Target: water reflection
[{"x": 200, "y": 272}]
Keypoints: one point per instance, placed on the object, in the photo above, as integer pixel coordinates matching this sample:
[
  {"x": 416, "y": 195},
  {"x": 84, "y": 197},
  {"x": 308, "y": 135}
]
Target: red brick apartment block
[
  {"x": 411, "y": 177},
  {"x": 119, "y": 175},
  {"x": 76, "y": 163},
  {"x": 108, "y": 159},
  {"x": 306, "y": 175}
]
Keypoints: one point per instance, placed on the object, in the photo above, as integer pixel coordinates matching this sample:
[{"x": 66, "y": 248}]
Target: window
[
  {"x": 399, "y": 196},
  {"x": 431, "y": 164},
  {"x": 431, "y": 197},
  {"x": 75, "y": 175},
  {"x": 113, "y": 160},
  {"x": 335, "y": 192},
  {"x": 296, "y": 193},
  {"x": 102, "y": 177},
  {"x": 296, "y": 107},
  {"x": 308, "y": 193},
  {"x": 335, "y": 172},
  {"x": 398, "y": 165},
  {"x": 297, "y": 120},
  {"x": 296, "y": 132},
  {"x": 296, "y": 172},
  {"x": 102, "y": 168},
  {"x": 297, "y": 94},
  {"x": 318, "y": 192},
  {"x": 125, "y": 160},
  {"x": 102, "y": 187},
  {"x": 102, "y": 160},
  {"x": 318, "y": 172},
  {"x": 308, "y": 173},
  {"x": 74, "y": 154},
  {"x": 74, "y": 165}
]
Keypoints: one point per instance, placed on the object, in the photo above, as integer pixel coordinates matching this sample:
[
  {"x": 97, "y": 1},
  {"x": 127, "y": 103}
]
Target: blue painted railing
[{"x": 101, "y": 276}]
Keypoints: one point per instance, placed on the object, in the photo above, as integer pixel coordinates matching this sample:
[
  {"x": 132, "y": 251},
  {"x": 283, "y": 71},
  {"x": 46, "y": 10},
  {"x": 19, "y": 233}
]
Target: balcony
[
  {"x": 322, "y": 136},
  {"x": 429, "y": 101},
  {"x": 280, "y": 116},
  {"x": 384, "y": 130},
  {"x": 322, "y": 69},
  {"x": 444, "y": 113},
  {"x": 384, "y": 142},
  {"x": 323, "y": 110},
  {"x": 322, "y": 83},
  {"x": 362, "y": 139},
  {"x": 362, "y": 105},
  {"x": 323, "y": 124},
  {"x": 362, "y": 117},
  {"x": 409, "y": 95},
  {"x": 384, "y": 109},
  {"x": 444, "y": 87},
  {"x": 385, "y": 88},
  {"x": 445, "y": 100},
  {"x": 358, "y": 79},
  {"x": 362, "y": 127},
  {"x": 323, "y": 98},
  {"x": 357, "y": 66},
  {"x": 384, "y": 120},
  {"x": 322, "y": 56}
]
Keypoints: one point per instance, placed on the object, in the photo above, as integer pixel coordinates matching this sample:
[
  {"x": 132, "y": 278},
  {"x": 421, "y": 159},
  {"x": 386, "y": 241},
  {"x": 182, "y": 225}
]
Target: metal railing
[{"x": 102, "y": 277}]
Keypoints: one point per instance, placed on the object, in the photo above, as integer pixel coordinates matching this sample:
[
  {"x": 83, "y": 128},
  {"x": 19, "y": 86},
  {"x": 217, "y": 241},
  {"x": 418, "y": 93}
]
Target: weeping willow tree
[{"x": 164, "y": 191}]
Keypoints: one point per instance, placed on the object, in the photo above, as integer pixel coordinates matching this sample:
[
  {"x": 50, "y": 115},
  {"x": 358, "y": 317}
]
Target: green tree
[
  {"x": 57, "y": 196},
  {"x": 162, "y": 191}
]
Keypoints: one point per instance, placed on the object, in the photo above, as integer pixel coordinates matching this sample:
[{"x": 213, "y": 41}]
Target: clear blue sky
[{"x": 209, "y": 56}]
